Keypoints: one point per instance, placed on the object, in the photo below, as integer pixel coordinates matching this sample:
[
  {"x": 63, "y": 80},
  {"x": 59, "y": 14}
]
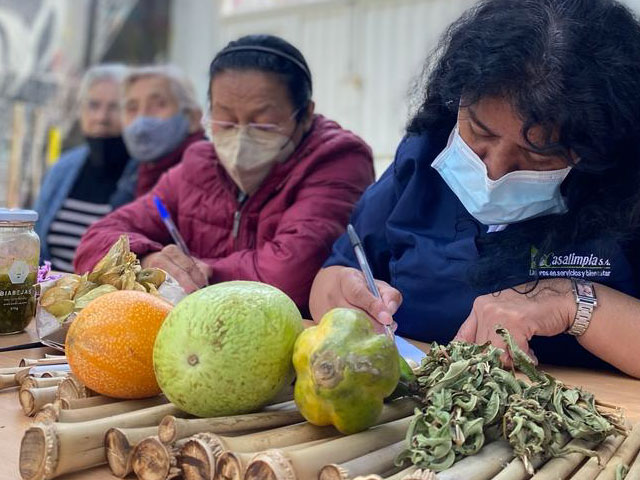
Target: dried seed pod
[
  {"x": 154, "y": 276},
  {"x": 70, "y": 281},
  {"x": 151, "y": 288},
  {"x": 128, "y": 280},
  {"x": 115, "y": 256},
  {"x": 55, "y": 295},
  {"x": 61, "y": 309},
  {"x": 83, "y": 301},
  {"x": 84, "y": 287}
]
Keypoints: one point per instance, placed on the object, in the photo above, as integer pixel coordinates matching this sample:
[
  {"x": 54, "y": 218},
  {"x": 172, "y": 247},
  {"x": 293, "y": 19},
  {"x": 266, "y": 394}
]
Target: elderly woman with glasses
[
  {"x": 265, "y": 198},
  {"x": 92, "y": 179}
]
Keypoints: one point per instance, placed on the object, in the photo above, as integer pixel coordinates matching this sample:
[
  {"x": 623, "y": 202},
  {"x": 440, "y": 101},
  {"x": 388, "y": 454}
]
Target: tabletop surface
[
  {"x": 28, "y": 336},
  {"x": 607, "y": 386}
]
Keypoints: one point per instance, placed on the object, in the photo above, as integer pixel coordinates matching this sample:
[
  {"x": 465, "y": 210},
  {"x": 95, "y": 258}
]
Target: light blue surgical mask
[
  {"x": 149, "y": 138},
  {"x": 514, "y": 197}
]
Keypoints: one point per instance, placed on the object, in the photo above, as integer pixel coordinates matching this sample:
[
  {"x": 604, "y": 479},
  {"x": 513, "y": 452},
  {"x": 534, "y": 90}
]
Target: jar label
[
  {"x": 18, "y": 272},
  {"x": 17, "y": 303}
]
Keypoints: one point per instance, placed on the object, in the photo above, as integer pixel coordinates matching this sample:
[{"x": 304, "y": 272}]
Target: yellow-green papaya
[{"x": 344, "y": 371}]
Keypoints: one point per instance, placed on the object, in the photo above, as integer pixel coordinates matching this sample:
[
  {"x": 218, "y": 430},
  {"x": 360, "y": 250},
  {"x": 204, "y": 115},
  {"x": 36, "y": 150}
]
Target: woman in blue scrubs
[{"x": 514, "y": 198}]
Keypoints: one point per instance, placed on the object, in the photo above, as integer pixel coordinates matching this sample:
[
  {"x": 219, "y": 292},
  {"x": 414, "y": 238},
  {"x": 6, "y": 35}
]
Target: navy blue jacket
[
  {"x": 58, "y": 183},
  {"x": 419, "y": 238}
]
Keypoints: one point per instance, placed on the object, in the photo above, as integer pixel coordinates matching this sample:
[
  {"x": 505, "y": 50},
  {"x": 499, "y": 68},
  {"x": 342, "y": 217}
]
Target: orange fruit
[{"x": 109, "y": 345}]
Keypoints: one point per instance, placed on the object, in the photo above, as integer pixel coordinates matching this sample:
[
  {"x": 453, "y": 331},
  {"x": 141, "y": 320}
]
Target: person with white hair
[
  {"x": 88, "y": 181},
  {"x": 161, "y": 118}
]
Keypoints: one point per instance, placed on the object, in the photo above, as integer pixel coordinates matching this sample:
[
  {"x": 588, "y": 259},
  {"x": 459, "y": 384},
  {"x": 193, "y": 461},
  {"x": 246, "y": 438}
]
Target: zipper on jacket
[{"x": 237, "y": 217}]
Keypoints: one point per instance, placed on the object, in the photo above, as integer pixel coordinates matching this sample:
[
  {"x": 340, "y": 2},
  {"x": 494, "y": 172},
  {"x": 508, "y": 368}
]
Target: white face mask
[
  {"x": 514, "y": 197},
  {"x": 248, "y": 154}
]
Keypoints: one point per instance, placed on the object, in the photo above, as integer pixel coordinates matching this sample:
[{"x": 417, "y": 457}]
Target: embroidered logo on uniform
[{"x": 568, "y": 265}]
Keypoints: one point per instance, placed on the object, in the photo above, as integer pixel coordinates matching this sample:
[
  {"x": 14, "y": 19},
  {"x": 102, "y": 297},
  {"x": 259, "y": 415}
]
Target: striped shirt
[{"x": 70, "y": 223}]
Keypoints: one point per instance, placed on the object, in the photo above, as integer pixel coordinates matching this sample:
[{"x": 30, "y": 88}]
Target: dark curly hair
[
  {"x": 571, "y": 67},
  {"x": 274, "y": 55}
]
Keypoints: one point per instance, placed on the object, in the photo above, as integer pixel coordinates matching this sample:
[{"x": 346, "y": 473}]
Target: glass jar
[{"x": 19, "y": 255}]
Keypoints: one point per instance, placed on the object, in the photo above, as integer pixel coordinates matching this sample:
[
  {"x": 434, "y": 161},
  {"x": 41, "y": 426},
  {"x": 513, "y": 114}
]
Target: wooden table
[
  {"x": 608, "y": 387},
  {"x": 28, "y": 336}
]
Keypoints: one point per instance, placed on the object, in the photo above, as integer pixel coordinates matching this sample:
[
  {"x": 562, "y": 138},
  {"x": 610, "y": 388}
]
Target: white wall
[
  {"x": 194, "y": 33},
  {"x": 363, "y": 54}
]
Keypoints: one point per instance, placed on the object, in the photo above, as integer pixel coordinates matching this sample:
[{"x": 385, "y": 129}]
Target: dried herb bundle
[{"x": 468, "y": 398}]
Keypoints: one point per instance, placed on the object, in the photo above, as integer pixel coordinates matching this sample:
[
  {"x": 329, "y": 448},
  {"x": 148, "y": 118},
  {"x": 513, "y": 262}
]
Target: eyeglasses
[
  {"x": 256, "y": 127},
  {"x": 263, "y": 127}
]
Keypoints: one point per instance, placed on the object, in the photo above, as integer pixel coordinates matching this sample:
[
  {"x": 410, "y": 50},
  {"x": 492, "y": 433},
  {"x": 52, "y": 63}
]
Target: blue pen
[
  {"x": 171, "y": 227},
  {"x": 405, "y": 348}
]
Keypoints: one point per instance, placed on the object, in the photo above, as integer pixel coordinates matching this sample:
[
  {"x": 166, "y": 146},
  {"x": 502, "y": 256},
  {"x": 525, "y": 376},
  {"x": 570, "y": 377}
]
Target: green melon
[{"x": 227, "y": 349}]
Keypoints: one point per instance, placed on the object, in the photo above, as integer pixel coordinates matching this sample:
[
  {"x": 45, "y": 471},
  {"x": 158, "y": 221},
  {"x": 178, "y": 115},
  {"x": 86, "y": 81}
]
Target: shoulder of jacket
[
  {"x": 328, "y": 135},
  {"x": 73, "y": 155},
  {"x": 198, "y": 152},
  {"x": 70, "y": 160}
]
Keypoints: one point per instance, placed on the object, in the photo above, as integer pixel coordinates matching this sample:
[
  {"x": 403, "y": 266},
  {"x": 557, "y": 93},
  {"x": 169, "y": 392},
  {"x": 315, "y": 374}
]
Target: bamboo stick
[
  {"x": 58, "y": 357},
  {"x": 108, "y": 410},
  {"x": 74, "y": 403},
  {"x": 48, "y": 450},
  {"x": 40, "y": 371},
  {"x": 33, "y": 399},
  {"x": 481, "y": 466},
  {"x": 197, "y": 460},
  {"x": 420, "y": 475},
  {"x": 32, "y": 362},
  {"x": 119, "y": 444},
  {"x": 154, "y": 460},
  {"x": 35, "y": 382},
  {"x": 55, "y": 374},
  {"x": 232, "y": 465},
  {"x": 404, "y": 473},
  {"x": 591, "y": 469},
  {"x": 376, "y": 462},
  {"x": 634, "y": 470},
  {"x": 207, "y": 448},
  {"x": 563, "y": 466},
  {"x": 623, "y": 456},
  {"x": 71, "y": 387},
  {"x": 372, "y": 476},
  {"x": 67, "y": 462},
  {"x": 8, "y": 370},
  {"x": 172, "y": 429},
  {"x": 306, "y": 463},
  {"x": 516, "y": 469},
  {"x": 8, "y": 380},
  {"x": 49, "y": 413}
]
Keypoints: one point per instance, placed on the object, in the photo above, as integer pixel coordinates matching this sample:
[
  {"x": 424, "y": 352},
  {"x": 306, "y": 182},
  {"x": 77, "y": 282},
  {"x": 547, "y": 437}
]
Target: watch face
[{"x": 584, "y": 290}]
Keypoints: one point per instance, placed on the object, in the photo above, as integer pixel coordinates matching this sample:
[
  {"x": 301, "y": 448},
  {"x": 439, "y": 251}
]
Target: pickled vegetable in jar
[{"x": 19, "y": 255}]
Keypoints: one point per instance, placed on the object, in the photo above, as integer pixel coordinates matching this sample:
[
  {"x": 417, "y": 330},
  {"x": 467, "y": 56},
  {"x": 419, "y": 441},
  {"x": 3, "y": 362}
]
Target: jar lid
[{"x": 17, "y": 215}]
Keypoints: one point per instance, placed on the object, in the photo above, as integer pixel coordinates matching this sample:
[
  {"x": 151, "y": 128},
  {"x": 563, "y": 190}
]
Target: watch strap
[{"x": 585, "y": 304}]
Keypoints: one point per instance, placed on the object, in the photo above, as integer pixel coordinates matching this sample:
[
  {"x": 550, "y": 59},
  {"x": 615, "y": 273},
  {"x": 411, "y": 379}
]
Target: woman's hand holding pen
[
  {"x": 340, "y": 286},
  {"x": 191, "y": 273}
]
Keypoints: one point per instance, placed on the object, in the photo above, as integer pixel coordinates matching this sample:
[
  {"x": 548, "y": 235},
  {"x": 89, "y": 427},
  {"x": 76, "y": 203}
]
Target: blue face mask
[
  {"x": 149, "y": 138},
  {"x": 514, "y": 197}
]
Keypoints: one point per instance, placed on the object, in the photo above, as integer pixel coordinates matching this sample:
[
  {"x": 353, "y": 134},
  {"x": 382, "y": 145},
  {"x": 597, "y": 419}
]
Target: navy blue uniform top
[{"x": 419, "y": 238}]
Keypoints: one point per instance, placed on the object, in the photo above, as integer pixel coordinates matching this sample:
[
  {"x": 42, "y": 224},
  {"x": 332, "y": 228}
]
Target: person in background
[
  {"x": 514, "y": 197},
  {"x": 161, "y": 119},
  {"x": 88, "y": 181},
  {"x": 266, "y": 197}
]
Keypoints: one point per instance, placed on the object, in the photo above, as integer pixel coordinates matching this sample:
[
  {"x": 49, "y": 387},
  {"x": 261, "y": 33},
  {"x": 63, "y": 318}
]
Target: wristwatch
[{"x": 586, "y": 300}]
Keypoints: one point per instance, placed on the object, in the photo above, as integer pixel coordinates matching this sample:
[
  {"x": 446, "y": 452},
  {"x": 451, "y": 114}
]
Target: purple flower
[{"x": 44, "y": 271}]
